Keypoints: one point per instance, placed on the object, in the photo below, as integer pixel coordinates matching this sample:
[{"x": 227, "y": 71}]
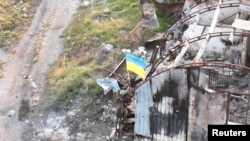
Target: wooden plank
[
  {"x": 241, "y": 24},
  {"x": 211, "y": 30},
  {"x": 244, "y": 9}
]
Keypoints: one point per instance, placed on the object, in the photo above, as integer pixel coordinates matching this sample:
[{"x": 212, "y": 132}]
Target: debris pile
[{"x": 198, "y": 74}]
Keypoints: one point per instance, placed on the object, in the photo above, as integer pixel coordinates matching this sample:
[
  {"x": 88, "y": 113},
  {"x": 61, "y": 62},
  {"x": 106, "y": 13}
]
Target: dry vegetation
[
  {"x": 13, "y": 16},
  {"x": 84, "y": 59}
]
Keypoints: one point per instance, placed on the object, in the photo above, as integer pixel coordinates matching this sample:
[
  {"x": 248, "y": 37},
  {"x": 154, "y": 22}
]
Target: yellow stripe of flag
[{"x": 136, "y": 65}]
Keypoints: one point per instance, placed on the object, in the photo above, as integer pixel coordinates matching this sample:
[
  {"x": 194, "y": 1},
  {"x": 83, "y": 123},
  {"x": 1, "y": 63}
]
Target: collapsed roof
[{"x": 200, "y": 76}]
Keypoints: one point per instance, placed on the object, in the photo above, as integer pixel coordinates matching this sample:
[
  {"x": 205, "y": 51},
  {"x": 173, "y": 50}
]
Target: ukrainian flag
[{"x": 136, "y": 65}]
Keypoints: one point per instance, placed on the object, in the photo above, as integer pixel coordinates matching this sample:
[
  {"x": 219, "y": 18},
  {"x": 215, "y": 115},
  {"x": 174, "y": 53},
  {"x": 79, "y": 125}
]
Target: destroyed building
[{"x": 198, "y": 77}]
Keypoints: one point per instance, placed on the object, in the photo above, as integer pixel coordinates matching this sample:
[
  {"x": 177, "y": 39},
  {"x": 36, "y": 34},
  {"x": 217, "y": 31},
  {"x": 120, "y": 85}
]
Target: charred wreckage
[{"x": 198, "y": 74}]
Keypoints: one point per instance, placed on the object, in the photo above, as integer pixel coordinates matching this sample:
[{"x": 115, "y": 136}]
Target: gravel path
[{"x": 51, "y": 19}]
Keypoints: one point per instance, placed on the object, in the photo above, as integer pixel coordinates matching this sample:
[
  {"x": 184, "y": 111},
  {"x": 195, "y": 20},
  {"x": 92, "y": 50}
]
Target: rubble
[{"x": 198, "y": 75}]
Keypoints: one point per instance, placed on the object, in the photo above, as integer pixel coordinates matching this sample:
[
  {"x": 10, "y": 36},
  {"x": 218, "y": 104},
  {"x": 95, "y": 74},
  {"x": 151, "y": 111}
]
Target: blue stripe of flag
[{"x": 134, "y": 59}]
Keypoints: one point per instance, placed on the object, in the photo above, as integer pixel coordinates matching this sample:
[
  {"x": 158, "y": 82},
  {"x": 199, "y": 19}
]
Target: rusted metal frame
[
  {"x": 231, "y": 92},
  {"x": 175, "y": 48},
  {"x": 208, "y": 9},
  {"x": 211, "y": 36},
  {"x": 194, "y": 5},
  {"x": 204, "y": 37},
  {"x": 198, "y": 3},
  {"x": 199, "y": 72},
  {"x": 217, "y": 65},
  {"x": 214, "y": 64},
  {"x": 243, "y": 80},
  {"x": 220, "y": 90},
  {"x": 211, "y": 30},
  {"x": 228, "y": 104},
  {"x": 202, "y": 64},
  {"x": 162, "y": 43},
  {"x": 154, "y": 55},
  {"x": 211, "y": 79},
  {"x": 223, "y": 70},
  {"x": 247, "y": 108}
]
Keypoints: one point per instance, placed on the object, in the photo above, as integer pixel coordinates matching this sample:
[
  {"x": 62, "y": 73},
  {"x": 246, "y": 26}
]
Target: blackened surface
[
  {"x": 198, "y": 135},
  {"x": 171, "y": 122}
]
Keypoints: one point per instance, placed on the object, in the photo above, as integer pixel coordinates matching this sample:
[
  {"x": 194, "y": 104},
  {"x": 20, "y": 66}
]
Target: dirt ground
[{"x": 23, "y": 82}]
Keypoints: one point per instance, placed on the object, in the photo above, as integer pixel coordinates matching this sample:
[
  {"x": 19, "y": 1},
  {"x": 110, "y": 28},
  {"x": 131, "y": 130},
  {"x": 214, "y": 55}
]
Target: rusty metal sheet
[
  {"x": 204, "y": 109},
  {"x": 173, "y": 106}
]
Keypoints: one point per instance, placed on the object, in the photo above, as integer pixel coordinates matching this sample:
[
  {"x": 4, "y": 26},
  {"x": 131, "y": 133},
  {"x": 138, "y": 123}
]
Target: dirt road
[{"x": 22, "y": 77}]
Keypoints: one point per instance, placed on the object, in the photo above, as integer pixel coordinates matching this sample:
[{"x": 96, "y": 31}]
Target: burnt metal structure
[
  {"x": 177, "y": 101},
  {"x": 180, "y": 102}
]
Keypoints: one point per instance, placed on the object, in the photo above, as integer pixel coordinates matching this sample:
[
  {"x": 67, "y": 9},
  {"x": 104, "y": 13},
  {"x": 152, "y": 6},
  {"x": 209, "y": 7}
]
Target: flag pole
[{"x": 129, "y": 79}]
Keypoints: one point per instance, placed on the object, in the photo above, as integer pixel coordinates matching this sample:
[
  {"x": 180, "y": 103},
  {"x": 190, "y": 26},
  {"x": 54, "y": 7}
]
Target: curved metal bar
[
  {"x": 194, "y": 5},
  {"x": 206, "y": 65},
  {"x": 179, "y": 46},
  {"x": 192, "y": 15},
  {"x": 213, "y": 7}
]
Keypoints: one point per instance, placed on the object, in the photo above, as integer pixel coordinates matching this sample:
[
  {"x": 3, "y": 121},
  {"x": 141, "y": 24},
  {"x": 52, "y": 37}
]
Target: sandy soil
[{"x": 22, "y": 77}]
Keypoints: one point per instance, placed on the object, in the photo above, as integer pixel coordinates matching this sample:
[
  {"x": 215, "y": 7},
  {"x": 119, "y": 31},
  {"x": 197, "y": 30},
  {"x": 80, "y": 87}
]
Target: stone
[
  {"x": 85, "y": 3},
  {"x": 95, "y": 38},
  {"x": 141, "y": 48},
  {"x": 47, "y": 132},
  {"x": 11, "y": 113},
  {"x": 108, "y": 47},
  {"x": 25, "y": 15},
  {"x": 106, "y": 10},
  {"x": 124, "y": 50},
  {"x": 52, "y": 123},
  {"x": 128, "y": 50},
  {"x": 122, "y": 31}
]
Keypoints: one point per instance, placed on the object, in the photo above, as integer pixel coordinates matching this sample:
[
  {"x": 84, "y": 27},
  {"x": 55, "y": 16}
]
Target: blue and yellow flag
[{"x": 136, "y": 65}]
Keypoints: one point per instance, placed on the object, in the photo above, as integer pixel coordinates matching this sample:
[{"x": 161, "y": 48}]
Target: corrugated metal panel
[
  {"x": 167, "y": 110},
  {"x": 169, "y": 115},
  {"x": 141, "y": 138},
  {"x": 143, "y": 103}
]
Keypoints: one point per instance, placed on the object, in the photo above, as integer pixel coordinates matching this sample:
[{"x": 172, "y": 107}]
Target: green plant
[
  {"x": 88, "y": 23},
  {"x": 68, "y": 81},
  {"x": 11, "y": 21},
  {"x": 164, "y": 21},
  {"x": 76, "y": 72},
  {"x": 87, "y": 102}
]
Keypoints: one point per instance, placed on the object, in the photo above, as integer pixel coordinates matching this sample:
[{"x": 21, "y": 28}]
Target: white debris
[
  {"x": 11, "y": 113},
  {"x": 106, "y": 10}
]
